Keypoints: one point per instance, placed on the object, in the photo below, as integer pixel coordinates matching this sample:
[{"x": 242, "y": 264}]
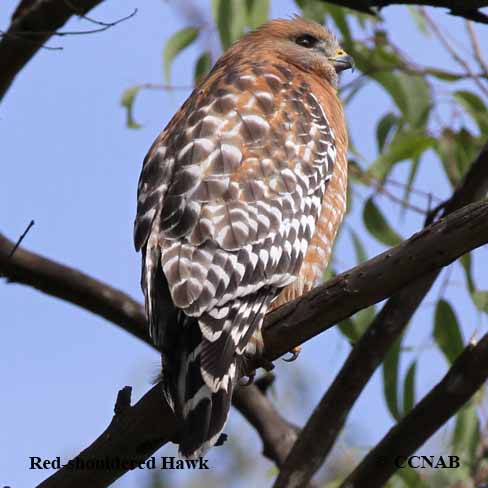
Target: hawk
[{"x": 239, "y": 201}]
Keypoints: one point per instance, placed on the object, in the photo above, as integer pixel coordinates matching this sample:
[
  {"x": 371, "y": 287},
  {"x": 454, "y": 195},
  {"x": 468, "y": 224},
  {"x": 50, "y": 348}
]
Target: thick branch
[
  {"x": 429, "y": 250},
  {"x": 311, "y": 450},
  {"x": 463, "y": 380},
  {"x": 33, "y": 23},
  {"x": 328, "y": 418},
  {"x": 469, "y": 9},
  {"x": 132, "y": 436}
]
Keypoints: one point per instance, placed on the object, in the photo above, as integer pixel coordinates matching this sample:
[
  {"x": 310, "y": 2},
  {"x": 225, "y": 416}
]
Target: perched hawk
[{"x": 239, "y": 202}]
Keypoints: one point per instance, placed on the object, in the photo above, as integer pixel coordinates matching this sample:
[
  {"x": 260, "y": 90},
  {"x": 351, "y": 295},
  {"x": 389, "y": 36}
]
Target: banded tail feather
[{"x": 202, "y": 357}]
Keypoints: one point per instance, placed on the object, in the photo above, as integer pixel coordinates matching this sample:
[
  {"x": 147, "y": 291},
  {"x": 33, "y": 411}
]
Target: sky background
[{"x": 69, "y": 162}]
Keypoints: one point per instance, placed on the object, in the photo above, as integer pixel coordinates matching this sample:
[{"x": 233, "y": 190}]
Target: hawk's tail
[
  {"x": 200, "y": 373},
  {"x": 202, "y": 410}
]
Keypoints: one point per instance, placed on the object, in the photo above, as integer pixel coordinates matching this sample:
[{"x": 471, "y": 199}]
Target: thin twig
[
  {"x": 25, "y": 39},
  {"x": 476, "y": 47},
  {"x": 428, "y": 195},
  {"x": 21, "y": 238},
  {"x": 83, "y": 16},
  {"x": 28, "y": 34},
  {"x": 380, "y": 188},
  {"x": 454, "y": 54},
  {"x": 165, "y": 87}
]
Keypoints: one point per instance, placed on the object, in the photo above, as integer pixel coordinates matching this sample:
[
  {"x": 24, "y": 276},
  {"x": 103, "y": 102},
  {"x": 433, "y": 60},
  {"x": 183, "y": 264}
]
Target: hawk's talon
[{"x": 295, "y": 352}]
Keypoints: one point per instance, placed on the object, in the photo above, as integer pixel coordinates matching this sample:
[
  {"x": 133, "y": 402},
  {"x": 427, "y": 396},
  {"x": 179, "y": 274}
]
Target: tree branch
[
  {"x": 278, "y": 435},
  {"x": 429, "y": 250},
  {"x": 33, "y": 23},
  {"x": 131, "y": 437},
  {"x": 469, "y": 9},
  {"x": 462, "y": 381},
  {"x": 72, "y": 285},
  {"x": 328, "y": 418},
  {"x": 290, "y": 325},
  {"x": 311, "y": 449}
]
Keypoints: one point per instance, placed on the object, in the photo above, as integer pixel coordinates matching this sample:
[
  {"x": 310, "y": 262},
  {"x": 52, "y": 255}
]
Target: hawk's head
[{"x": 307, "y": 45}]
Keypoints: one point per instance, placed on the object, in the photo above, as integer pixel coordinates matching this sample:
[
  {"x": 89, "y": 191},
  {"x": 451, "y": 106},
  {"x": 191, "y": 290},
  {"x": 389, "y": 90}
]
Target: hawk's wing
[{"x": 234, "y": 185}]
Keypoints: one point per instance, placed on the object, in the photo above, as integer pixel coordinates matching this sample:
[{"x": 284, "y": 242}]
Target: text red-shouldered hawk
[{"x": 239, "y": 202}]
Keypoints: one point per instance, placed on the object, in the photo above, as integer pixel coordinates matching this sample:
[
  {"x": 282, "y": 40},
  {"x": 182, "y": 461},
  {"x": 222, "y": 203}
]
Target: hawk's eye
[{"x": 306, "y": 40}]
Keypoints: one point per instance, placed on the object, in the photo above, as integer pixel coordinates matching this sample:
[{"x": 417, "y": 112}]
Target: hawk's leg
[{"x": 247, "y": 377}]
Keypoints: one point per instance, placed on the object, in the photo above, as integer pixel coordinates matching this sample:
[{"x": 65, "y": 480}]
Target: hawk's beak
[{"x": 342, "y": 61}]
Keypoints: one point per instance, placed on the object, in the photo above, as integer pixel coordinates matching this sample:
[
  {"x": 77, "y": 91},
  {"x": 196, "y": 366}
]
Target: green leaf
[
  {"x": 230, "y": 17},
  {"x": 313, "y": 10},
  {"x": 404, "y": 145},
  {"x": 457, "y": 150},
  {"x": 380, "y": 58},
  {"x": 353, "y": 89},
  {"x": 419, "y": 20},
  {"x": 411, "y": 94},
  {"x": 443, "y": 75},
  {"x": 418, "y": 98},
  {"x": 127, "y": 100},
  {"x": 466, "y": 434},
  {"x": 364, "y": 318},
  {"x": 202, "y": 67},
  {"x": 257, "y": 12},
  {"x": 377, "y": 225},
  {"x": 480, "y": 299},
  {"x": 338, "y": 15},
  {"x": 350, "y": 329},
  {"x": 384, "y": 128},
  {"x": 354, "y": 327},
  {"x": 329, "y": 273},
  {"x": 474, "y": 105},
  {"x": 349, "y": 198},
  {"x": 446, "y": 331},
  {"x": 410, "y": 179},
  {"x": 409, "y": 388},
  {"x": 175, "y": 44},
  {"x": 361, "y": 255},
  {"x": 411, "y": 478},
  {"x": 390, "y": 379},
  {"x": 465, "y": 261}
]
